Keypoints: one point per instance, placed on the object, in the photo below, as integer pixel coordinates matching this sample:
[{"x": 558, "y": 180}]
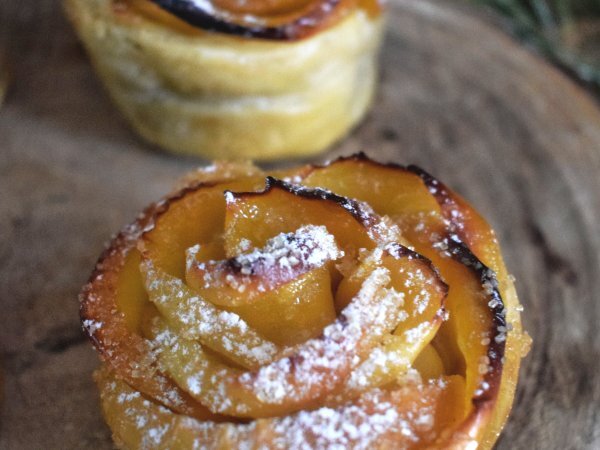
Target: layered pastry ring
[
  {"x": 229, "y": 79},
  {"x": 351, "y": 305}
]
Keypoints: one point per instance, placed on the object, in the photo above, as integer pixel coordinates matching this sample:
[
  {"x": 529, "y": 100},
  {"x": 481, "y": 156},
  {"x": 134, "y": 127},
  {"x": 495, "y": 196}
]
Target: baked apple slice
[
  {"x": 409, "y": 417},
  {"x": 282, "y": 290},
  {"x": 475, "y": 342},
  {"x": 282, "y": 20},
  {"x": 248, "y": 310}
]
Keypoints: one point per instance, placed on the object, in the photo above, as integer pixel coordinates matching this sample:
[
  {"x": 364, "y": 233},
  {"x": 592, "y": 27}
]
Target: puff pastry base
[{"x": 221, "y": 96}]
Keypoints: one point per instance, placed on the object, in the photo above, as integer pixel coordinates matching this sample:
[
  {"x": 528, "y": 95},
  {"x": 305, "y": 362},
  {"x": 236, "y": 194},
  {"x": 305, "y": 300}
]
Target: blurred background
[{"x": 565, "y": 31}]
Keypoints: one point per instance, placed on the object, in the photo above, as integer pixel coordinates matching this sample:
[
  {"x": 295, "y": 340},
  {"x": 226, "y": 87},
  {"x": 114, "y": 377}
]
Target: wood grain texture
[{"x": 458, "y": 97}]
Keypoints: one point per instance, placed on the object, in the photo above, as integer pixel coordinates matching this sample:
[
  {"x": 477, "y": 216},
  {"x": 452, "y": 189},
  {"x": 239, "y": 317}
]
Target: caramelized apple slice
[
  {"x": 408, "y": 417},
  {"x": 251, "y": 219},
  {"x": 195, "y": 215},
  {"x": 219, "y": 172},
  {"x": 115, "y": 284},
  {"x": 282, "y": 290},
  {"x": 474, "y": 336},
  {"x": 402, "y": 194},
  {"x": 240, "y": 280},
  {"x": 267, "y": 284},
  {"x": 192, "y": 317},
  {"x": 423, "y": 292},
  {"x": 283, "y": 20},
  {"x": 429, "y": 364},
  {"x": 464, "y": 221},
  {"x": 313, "y": 369},
  {"x": 469, "y": 227},
  {"x": 293, "y": 313},
  {"x": 114, "y": 302},
  {"x": 202, "y": 253}
]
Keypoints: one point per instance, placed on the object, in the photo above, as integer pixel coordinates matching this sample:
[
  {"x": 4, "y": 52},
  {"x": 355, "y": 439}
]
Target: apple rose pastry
[
  {"x": 354, "y": 305},
  {"x": 260, "y": 79}
]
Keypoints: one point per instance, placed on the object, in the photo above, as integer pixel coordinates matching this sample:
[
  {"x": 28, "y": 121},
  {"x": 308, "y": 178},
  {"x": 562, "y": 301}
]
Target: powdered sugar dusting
[
  {"x": 283, "y": 258},
  {"x": 357, "y": 426},
  {"x": 91, "y": 326},
  {"x": 357, "y": 370},
  {"x": 381, "y": 367},
  {"x": 314, "y": 364},
  {"x": 310, "y": 246},
  {"x": 196, "y": 318},
  {"x": 396, "y": 418},
  {"x": 312, "y": 369}
]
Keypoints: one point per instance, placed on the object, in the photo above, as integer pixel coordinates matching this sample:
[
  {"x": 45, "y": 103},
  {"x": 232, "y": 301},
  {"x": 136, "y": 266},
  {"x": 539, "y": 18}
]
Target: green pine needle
[{"x": 566, "y": 31}]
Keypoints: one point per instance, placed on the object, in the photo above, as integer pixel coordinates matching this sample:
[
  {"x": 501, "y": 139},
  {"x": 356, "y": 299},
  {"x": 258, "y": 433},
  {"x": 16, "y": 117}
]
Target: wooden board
[{"x": 458, "y": 97}]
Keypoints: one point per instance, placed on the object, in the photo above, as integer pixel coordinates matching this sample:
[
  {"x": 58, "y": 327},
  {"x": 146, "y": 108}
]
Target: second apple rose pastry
[
  {"x": 352, "y": 305},
  {"x": 256, "y": 79}
]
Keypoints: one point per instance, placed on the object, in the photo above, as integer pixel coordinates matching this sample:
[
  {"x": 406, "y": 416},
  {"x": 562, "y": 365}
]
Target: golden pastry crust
[
  {"x": 282, "y": 312},
  {"x": 221, "y": 96}
]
